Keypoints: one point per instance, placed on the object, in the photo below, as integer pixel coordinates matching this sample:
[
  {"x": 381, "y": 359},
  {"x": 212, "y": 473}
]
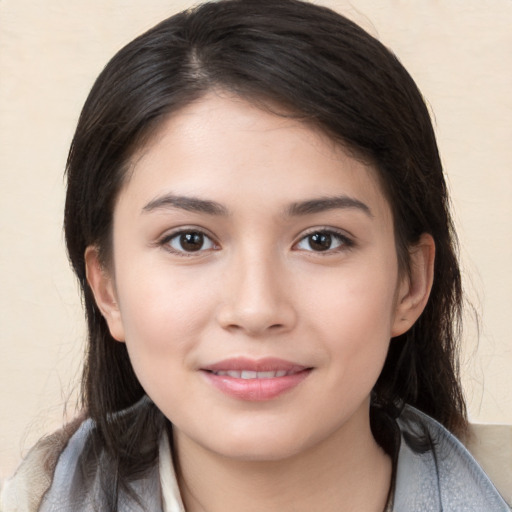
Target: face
[{"x": 254, "y": 280}]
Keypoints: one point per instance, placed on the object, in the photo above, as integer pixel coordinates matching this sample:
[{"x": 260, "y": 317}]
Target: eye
[
  {"x": 189, "y": 242},
  {"x": 323, "y": 241}
]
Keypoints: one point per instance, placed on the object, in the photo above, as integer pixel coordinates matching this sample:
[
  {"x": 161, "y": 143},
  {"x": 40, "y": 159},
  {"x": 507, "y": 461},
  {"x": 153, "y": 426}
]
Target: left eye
[
  {"x": 189, "y": 241},
  {"x": 322, "y": 241}
]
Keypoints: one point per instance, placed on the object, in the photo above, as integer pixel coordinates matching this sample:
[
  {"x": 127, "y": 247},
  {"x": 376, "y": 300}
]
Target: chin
[
  {"x": 261, "y": 452},
  {"x": 264, "y": 446}
]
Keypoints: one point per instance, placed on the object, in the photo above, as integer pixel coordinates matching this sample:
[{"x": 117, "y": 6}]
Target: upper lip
[{"x": 267, "y": 364}]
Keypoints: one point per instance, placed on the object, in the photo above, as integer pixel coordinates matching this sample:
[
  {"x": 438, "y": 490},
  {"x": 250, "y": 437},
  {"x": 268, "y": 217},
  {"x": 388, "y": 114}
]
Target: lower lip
[{"x": 256, "y": 390}]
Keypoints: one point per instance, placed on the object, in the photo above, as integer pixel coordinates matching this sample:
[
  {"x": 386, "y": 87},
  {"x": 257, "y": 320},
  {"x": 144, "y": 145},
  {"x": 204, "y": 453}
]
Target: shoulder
[
  {"x": 436, "y": 472},
  {"x": 71, "y": 470},
  {"x": 24, "y": 491}
]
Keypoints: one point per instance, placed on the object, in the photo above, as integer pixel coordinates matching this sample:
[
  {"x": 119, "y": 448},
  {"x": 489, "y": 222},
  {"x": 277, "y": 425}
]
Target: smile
[
  {"x": 255, "y": 380},
  {"x": 249, "y": 374}
]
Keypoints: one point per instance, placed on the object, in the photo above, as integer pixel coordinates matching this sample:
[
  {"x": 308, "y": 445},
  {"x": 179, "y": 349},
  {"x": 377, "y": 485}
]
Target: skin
[{"x": 258, "y": 286}]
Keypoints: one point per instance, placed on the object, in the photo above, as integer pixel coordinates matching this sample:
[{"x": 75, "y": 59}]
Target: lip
[{"x": 255, "y": 379}]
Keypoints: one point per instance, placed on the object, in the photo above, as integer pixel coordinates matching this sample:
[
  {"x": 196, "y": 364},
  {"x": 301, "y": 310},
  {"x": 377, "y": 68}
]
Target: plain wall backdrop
[{"x": 460, "y": 54}]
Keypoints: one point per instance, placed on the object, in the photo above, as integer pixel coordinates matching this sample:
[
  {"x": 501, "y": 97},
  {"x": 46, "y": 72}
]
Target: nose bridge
[{"x": 256, "y": 297}]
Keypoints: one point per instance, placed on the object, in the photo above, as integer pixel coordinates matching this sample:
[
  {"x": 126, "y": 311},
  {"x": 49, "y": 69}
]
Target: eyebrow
[
  {"x": 190, "y": 204},
  {"x": 299, "y": 208},
  {"x": 323, "y": 204}
]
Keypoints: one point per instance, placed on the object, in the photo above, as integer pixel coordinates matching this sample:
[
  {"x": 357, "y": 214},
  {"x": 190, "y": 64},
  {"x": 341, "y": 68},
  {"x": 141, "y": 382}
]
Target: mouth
[
  {"x": 249, "y": 374},
  {"x": 255, "y": 380}
]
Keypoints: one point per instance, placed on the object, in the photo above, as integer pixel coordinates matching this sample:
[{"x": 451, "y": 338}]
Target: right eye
[{"x": 189, "y": 241}]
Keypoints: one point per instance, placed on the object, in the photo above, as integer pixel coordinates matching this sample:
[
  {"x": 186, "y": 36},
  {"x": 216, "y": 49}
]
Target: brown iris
[
  {"x": 320, "y": 241},
  {"x": 192, "y": 241}
]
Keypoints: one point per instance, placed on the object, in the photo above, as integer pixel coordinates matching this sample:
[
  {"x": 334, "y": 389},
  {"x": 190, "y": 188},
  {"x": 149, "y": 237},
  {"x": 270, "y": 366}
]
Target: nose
[{"x": 256, "y": 297}]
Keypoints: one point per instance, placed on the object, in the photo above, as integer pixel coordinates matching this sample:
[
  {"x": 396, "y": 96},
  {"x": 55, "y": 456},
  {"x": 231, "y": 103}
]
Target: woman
[{"x": 257, "y": 215}]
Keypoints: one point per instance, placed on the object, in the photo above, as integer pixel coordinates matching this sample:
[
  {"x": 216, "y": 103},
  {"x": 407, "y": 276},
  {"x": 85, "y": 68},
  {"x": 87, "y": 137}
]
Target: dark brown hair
[{"x": 322, "y": 68}]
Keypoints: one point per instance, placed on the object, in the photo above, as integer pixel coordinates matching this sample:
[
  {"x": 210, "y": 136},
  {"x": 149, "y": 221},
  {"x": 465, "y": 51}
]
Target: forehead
[{"x": 225, "y": 146}]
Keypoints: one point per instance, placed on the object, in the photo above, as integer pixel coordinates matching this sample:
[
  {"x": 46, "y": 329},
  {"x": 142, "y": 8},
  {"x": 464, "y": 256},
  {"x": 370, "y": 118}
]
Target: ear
[
  {"x": 102, "y": 287},
  {"x": 414, "y": 289}
]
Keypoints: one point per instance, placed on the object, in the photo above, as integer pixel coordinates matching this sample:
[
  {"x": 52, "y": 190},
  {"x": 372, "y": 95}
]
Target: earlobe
[
  {"x": 414, "y": 290},
  {"x": 102, "y": 286}
]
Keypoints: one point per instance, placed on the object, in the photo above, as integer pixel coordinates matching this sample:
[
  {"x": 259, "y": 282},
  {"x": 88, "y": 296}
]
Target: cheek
[
  {"x": 357, "y": 298},
  {"x": 355, "y": 316},
  {"x": 163, "y": 312},
  {"x": 163, "y": 318}
]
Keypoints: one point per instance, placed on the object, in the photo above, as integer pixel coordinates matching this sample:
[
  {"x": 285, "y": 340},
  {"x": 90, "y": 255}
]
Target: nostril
[{"x": 256, "y": 313}]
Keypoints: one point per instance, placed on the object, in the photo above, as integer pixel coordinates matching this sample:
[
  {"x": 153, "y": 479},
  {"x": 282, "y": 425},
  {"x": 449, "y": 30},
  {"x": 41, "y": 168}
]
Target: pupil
[
  {"x": 320, "y": 241},
  {"x": 191, "y": 241}
]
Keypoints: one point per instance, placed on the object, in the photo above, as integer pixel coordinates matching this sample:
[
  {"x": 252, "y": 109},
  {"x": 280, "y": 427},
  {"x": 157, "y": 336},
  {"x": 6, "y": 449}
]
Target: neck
[{"x": 347, "y": 472}]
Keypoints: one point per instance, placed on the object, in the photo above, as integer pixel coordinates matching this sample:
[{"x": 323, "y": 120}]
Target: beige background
[{"x": 459, "y": 52}]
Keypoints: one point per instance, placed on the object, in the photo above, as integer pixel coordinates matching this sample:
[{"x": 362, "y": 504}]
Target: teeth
[{"x": 249, "y": 374}]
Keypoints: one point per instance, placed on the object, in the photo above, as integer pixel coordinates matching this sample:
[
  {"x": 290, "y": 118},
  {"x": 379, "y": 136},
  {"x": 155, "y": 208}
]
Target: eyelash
[{"x": 343, "y": 241}]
